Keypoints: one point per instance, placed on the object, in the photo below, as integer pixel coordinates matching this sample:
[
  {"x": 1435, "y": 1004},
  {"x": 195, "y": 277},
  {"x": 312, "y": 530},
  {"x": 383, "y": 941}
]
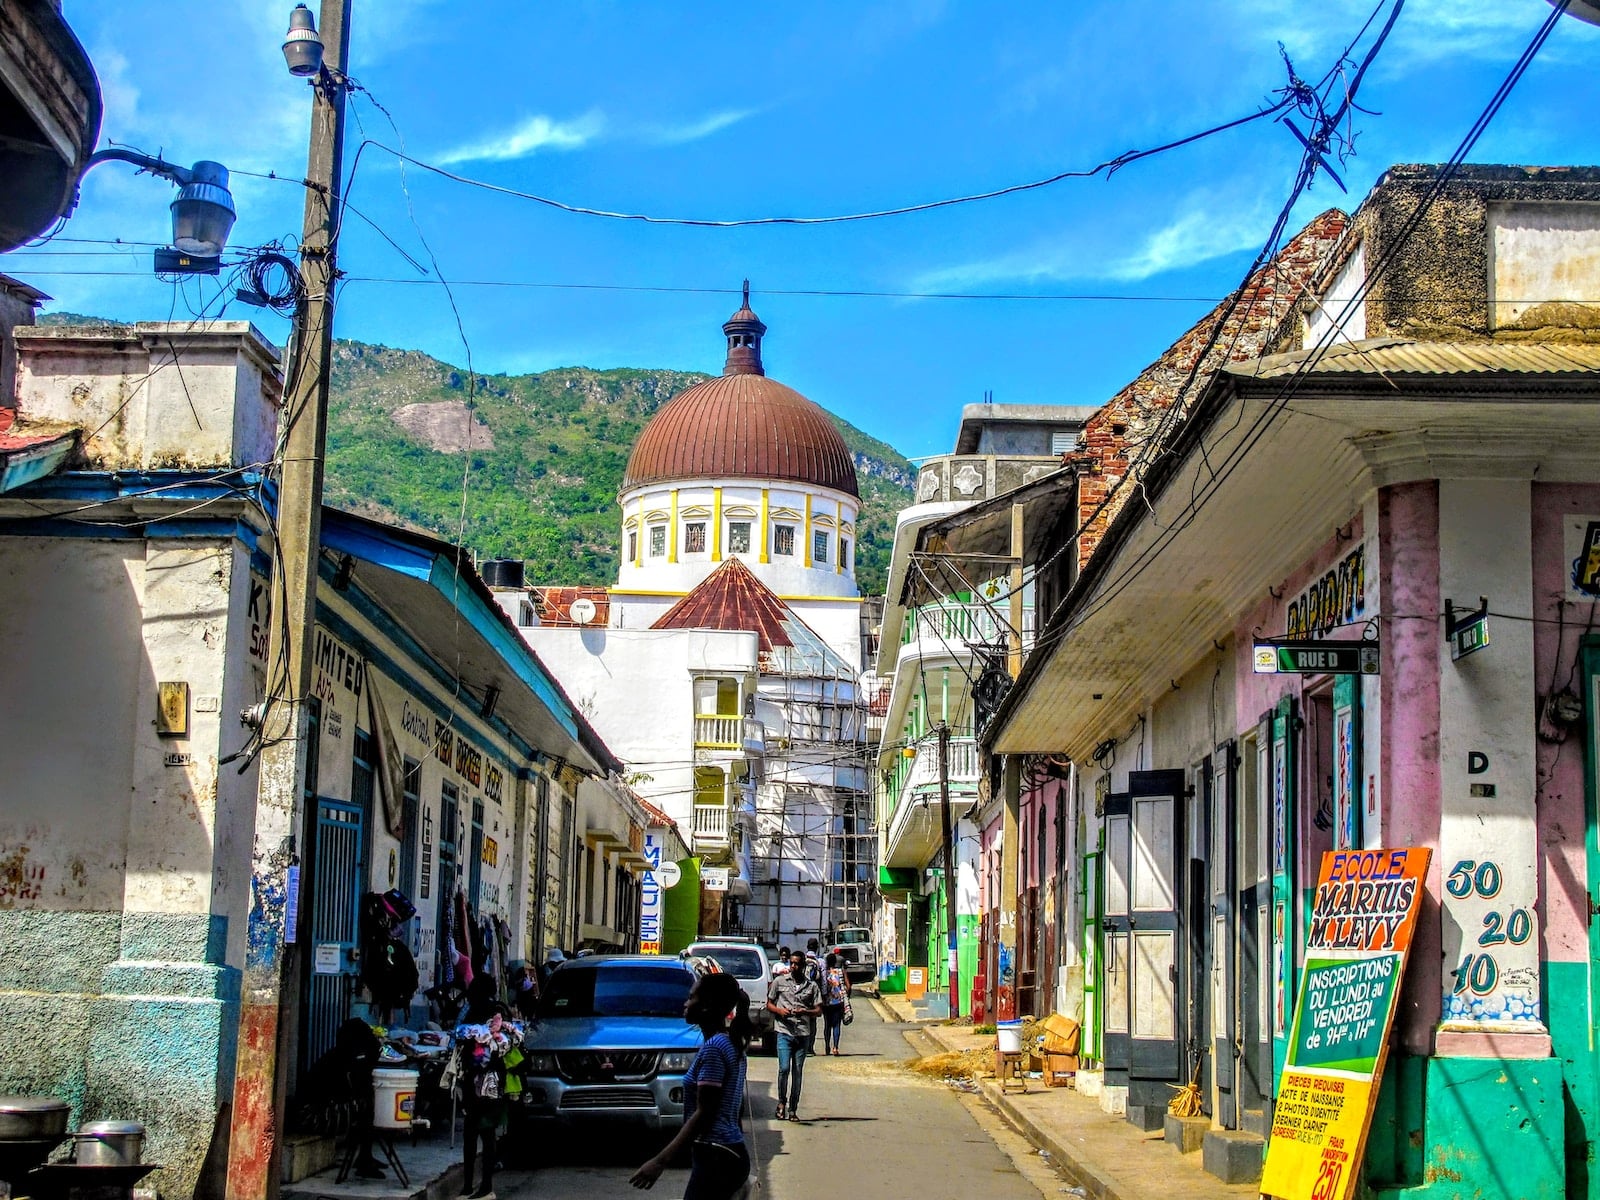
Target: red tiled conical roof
[{"x": 732, "y": 598}]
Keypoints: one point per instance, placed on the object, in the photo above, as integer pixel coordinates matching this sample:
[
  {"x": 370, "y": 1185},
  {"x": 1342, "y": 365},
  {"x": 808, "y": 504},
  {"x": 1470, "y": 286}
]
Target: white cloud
[
  {"x": 532, "y": 135},
  {"x": 1200, "y": 235},
  {"x": 118, "y": 93},
  {"x": 693, "y": 131}
]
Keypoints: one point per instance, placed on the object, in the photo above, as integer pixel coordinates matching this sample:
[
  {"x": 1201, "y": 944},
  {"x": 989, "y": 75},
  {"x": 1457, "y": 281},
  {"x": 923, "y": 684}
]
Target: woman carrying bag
[
  {"x": 713, "y": 1093},
  {"x": 835, "y": 1004}
]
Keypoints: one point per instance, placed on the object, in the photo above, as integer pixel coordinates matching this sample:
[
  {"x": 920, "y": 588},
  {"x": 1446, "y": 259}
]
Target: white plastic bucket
[
  {"x": 394, "y": 1099},
  {"x": 1009, "y": 1036}
]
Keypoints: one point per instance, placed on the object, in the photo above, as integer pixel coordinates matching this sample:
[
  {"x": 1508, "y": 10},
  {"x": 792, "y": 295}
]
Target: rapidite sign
[
  {"x": 650, "y": 893},
  {"x": 1362, "y": 919}
]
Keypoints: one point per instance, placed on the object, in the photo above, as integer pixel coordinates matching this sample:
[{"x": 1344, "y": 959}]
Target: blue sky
[{"x": 724, "y": 112}]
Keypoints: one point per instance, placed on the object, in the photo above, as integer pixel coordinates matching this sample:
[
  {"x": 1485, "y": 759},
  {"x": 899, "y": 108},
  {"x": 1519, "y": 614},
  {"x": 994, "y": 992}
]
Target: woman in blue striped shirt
[{"x": 713, "y": 1093}]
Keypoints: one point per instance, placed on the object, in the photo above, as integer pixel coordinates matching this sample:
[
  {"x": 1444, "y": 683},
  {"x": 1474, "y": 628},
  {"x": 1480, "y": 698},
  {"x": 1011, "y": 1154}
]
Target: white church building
[{"x": 724, "y": 666}]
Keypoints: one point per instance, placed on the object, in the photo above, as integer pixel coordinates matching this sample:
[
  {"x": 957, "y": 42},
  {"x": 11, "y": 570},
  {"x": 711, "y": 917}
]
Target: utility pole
[
  {"x": 270, "y": 1001},
  {"x": 949, "y": 869}
]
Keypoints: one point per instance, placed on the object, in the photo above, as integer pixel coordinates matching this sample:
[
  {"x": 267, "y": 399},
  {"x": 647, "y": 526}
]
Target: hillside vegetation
[{"x": 547, "y": 452}]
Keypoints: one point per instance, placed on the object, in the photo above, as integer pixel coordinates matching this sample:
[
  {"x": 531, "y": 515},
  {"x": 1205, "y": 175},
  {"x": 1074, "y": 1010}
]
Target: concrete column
[{"x": 1488, "y": 844}]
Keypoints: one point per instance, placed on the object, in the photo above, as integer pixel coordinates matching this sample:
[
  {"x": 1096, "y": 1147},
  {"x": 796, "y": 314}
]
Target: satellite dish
[
  {"x": 582, "y": 610},
  {"x": 668, "y": 874}
]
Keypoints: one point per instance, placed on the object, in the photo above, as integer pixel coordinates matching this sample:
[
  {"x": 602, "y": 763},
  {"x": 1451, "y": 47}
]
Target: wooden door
[
  {"x": 1115, "y": 928},
  {"x": 1254, "y": 969},
  {"x": 1285, "y": 904},
  {"x": 1155, "y": 897},
  {"x": 1226, "y": 1036}
]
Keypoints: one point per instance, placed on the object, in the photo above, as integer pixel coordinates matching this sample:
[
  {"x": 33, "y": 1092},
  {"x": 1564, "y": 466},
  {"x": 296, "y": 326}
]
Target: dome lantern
[{"x": 744, "y": 330}]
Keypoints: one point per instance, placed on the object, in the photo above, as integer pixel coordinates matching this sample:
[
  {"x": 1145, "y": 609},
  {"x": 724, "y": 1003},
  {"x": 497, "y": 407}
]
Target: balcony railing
[
  {"x": 710, "y": 825},
  {"x": 921, "y": 770},
  {"x": 719, "y": 733},
  {"x": 952, "y": 626}
]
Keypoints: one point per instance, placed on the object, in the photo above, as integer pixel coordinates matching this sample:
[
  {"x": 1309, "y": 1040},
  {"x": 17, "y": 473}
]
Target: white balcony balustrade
[{"x": 711, "y": 823}]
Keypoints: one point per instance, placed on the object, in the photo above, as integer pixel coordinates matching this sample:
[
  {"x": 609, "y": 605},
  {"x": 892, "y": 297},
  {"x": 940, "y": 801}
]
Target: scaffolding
[{"x": 809, "y": 836}]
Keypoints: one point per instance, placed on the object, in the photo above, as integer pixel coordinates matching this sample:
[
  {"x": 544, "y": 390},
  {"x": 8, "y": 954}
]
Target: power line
[
  {"x": 1108, "y": 168},
  {"x": 1278, "y": 404}
]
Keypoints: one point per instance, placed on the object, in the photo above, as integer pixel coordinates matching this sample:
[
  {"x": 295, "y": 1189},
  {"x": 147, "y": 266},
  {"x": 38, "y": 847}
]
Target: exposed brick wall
[{"x": 1114, "y": 437}]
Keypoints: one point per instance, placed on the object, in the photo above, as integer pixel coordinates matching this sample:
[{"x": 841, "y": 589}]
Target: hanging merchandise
[{"x": 388, "y": 970}]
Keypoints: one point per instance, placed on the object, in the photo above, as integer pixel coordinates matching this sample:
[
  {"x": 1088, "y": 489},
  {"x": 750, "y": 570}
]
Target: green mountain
[{"x": 545, "y": 458}]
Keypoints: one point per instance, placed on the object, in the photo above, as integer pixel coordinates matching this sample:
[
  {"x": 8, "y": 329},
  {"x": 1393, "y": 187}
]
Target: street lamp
[
  {"x": 1584, "y": 10},
  {"x": 302, "y": 48},
  {"x": 202, "y": 213}
]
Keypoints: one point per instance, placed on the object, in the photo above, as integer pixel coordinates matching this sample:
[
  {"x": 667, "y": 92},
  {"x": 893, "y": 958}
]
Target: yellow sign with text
[{"x": 1362, "y": 918}]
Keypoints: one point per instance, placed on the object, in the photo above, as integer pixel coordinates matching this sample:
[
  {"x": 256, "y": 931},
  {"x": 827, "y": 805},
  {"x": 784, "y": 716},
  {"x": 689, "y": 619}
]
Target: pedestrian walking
[
  {"x": 835, "y": 1003},
  {"x": 483, "y": 1041},
  {"x": 713, "y": 1093},
  {"x": 794, "y": 1001},
  {"x": 781, "y": 967}
]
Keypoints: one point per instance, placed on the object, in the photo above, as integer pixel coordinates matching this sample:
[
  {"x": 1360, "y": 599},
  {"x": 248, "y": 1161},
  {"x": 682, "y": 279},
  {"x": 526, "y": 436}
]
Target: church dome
[{"x": 742, "y": 425}]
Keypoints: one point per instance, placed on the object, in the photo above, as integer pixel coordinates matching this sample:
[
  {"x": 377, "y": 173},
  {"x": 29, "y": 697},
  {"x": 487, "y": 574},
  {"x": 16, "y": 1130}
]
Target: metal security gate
[
  {"x": 1155, "y": 893},
  {"x": 335, "y": 910}
]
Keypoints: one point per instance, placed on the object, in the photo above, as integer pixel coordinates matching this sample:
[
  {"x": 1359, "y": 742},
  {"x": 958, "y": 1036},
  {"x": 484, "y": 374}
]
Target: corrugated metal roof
[
  {"x": 1396, "y": 356},
  {"x": 731, "y": 598}
]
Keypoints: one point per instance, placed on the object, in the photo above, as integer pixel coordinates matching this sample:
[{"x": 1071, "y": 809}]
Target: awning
[
  {"x": 431, "y": 595},
  {"x": 1239, "y": 502}
]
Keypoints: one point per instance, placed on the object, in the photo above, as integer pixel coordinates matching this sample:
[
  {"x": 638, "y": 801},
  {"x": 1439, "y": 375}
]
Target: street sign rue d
[{"x": 1310, "y": 657}]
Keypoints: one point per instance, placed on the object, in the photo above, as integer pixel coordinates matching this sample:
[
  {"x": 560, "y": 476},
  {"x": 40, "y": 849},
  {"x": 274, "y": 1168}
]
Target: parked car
[
  {"x": 611, "y": 1043},
  {"x": 747, "y": 961},
  {"x": 853, "y": 945}
]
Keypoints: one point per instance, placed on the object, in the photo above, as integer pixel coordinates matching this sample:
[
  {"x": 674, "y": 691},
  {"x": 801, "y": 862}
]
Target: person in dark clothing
[
  {"x": 337, "y": 1095},
  {"x": 483, "y": 1040}
]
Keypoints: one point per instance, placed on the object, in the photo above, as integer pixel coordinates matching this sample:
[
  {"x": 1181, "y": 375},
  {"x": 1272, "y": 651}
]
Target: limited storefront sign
[
  {"x": 1307, "y": 657},
  {"x": 650, "y": 896},
  {"x": 1362, "y": 919}
]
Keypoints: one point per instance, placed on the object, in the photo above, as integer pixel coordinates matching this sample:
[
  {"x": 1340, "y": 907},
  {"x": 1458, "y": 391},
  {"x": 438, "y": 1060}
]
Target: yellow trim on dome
[
  {"x": 716, "y": 524},
  {"x": 766, "y": 531},
  {"x": 672, "y": 530},
  {"x": 806, "y": 561},
  {"x": 838, "y": 549}
]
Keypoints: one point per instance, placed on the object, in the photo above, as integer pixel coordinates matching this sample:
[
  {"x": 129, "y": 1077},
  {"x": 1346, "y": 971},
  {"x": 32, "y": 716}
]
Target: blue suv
[{"x": 611, "y": 1042}]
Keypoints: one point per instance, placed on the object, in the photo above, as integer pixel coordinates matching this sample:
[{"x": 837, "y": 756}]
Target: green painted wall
[
  {"x": 1566, "y": 993},
  {"x": 1489, "y": 1127},
  {"x": 967, "y": 957},
  {"x": 126, "y": 1016},
  {"x": 680, "y": 912}
]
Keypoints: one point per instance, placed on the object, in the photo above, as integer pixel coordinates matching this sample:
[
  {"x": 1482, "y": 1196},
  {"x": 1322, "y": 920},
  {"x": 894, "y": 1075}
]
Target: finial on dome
[{"x": 744, "y": 330}]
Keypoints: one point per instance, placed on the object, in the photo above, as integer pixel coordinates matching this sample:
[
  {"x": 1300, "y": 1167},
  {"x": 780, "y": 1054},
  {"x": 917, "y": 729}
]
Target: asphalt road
[{"x": 869, "y": 1127}]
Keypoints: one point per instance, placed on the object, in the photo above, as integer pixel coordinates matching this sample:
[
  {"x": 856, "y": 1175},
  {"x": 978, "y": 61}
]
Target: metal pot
[
  {"x": 32, "y": 1118},
  {"x": 109, "y": 1144}
]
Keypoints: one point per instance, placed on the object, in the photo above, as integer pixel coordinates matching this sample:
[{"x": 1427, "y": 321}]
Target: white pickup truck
[{"x": 853, "y": 945}]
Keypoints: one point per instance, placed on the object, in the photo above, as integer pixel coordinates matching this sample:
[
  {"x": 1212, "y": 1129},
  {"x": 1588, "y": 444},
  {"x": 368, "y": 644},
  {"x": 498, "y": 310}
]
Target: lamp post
[
  {"x": 274, "y": 958},
  {"x": 202, "y": 213}
]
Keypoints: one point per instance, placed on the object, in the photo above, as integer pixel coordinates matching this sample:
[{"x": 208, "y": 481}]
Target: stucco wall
[{"x": 122, "y": 869}]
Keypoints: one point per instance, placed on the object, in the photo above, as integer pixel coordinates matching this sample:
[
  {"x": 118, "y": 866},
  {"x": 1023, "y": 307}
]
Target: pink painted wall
[
  {"x": 1408, "y": 742},
  {"x": 1563, "y": 874},
  {"x": 1255, "y": 694}
]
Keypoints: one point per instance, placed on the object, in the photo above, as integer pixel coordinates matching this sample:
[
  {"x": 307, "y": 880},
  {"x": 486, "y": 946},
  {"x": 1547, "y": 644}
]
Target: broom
[{"x": 1187, "y": 1102}]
